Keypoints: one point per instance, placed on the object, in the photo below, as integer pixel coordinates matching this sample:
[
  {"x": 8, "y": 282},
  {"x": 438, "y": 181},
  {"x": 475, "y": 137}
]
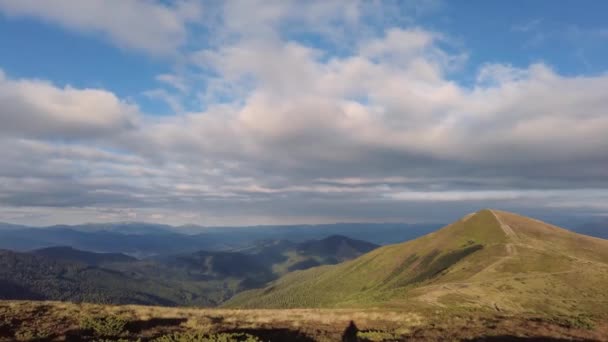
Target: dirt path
[
  {"x": 506, "y": 229},
  {"x": 509, "y": 247}
]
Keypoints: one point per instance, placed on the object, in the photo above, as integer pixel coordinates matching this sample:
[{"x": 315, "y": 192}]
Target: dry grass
[{"x": 49, "y": 321}]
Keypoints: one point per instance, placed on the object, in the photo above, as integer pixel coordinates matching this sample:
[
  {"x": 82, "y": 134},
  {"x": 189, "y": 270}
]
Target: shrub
[
  {"x": 104, "y": 326},
  {"x": 6, "y": 323},
  {"x": 580, "y": 321},
  {"x": 376, "y": 335},
  {"x": 199, "y": 337},
  {"x": 575, "y": 321},
  {"x": 32, "y": 334}
]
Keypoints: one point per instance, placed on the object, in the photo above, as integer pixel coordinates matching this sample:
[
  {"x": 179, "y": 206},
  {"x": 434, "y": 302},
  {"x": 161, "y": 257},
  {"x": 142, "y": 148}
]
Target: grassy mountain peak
[{"x": 489, "y": 259}]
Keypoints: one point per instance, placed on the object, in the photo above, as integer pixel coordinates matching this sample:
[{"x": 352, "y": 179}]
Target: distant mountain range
[
  {"x": 201, "y": 278},
  {"x": 596, "y": 228},
  {"x": 145, "y": 240},
  {"x": 488, "y": 260},
  {"x": 75, "y": 255}
]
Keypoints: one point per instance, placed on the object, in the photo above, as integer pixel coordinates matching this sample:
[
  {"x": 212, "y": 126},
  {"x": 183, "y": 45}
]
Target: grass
[
  {"x": 200, "y": 337},
  {"x": 59, "y": 321},
  {"x": 376, "y": 335}
]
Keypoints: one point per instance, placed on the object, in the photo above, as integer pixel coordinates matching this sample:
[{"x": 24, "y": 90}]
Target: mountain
[
  {"x": 75, "y": 255},
  {"x": 490, "y": 259},
  {"x": 597, "y": 229},
  {"x": 378, "y": 233},
  {"x": 285, "y": 256},
  {"x": 203, "y": 278},
  {"x": 139, "y": 245},
  {"x": 265, "y": 261},
  {"x": 10, "y": 226},
  {"x": 338, "y": 246},
  {"x": 145, "y": 240},
  {"x": 58, "y": 274},
  {"x": 133, "y": 228},
  {"x": 31, "y": 276}
]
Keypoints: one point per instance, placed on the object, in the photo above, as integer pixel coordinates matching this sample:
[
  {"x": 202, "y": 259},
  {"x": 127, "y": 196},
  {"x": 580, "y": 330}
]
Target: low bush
[
  {"x": 105, "y": 326},
  {"x": 376, "y": 336},
  {"x": 200, "y": 337},
  {"x": 32, "y": 334}
]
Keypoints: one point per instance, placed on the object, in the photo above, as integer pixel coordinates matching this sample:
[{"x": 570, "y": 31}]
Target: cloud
[
  {"x": 140, "y": 24},
  {"x": 528, "y": 26},
  {"x": 293, "y": 131},
  {"x": 174, "y": 81},
  {"x": 35, "y": 108}
]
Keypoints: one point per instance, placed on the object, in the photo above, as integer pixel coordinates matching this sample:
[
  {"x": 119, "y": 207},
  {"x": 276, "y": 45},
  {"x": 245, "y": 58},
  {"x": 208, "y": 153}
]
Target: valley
[{"x": 203, "y": 278}]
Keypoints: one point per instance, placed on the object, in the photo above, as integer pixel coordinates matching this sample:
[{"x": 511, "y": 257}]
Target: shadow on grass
[
  {"x": 142, "y": 325},
  {"x": 350, "y": 333}
]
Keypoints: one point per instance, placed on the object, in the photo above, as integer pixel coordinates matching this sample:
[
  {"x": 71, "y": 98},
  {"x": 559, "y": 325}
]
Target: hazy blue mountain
[
  {"x": 134, "y": 228},
  {"x": 10, "y": 226},
  {"x": 140, "y": 245},
  {"x": 378, "y": 233},
  {"x": 143, "y": 240},
  {"x": 596, "y": 229},
  {"x": 75, "y": 255}
]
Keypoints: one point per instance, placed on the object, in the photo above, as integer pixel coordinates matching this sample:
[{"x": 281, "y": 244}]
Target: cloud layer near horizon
[{"x": 370, "y": 127}]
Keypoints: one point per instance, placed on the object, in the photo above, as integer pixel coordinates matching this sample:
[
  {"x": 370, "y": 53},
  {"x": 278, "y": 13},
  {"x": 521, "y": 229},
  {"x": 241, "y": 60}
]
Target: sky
[{"x": 244, "y": 112}]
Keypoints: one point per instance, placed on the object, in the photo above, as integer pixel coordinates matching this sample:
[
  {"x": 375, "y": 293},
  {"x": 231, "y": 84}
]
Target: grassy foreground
[{"x": 60, "y": 321}]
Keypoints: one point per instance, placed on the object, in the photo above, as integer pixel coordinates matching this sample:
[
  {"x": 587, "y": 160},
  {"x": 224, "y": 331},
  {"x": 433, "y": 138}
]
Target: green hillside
[
  {"x": 285, "y": 256},
  {"x": 490, "y": 259},
  {"x": 30, "y": 276}
]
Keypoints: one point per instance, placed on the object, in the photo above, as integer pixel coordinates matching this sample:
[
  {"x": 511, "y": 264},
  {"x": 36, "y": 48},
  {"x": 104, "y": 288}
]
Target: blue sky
[
  {"x": 248, "y": 112},
  {"x": 569, "y": 37}
]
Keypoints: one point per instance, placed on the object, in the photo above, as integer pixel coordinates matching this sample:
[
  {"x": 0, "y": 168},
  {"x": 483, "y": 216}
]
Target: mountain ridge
[
  {"x": 68, "y": 253},
  {"x": 490, "y": 259}
]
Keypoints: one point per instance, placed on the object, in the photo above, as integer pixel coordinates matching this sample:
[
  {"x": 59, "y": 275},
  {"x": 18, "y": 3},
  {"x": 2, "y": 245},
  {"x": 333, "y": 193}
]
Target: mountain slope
[
  {"x": 285, "y": 256},
  {"x": 204, "y": 278},
  {"x": 50, "y": 277},
  {"x": 340, "y": 247},
  {"x": 488, "y": 259},
  {"x": 31, "y": 276},
  {"x": 266, "y": 261},
  {"x": 75, "y": 255}
]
